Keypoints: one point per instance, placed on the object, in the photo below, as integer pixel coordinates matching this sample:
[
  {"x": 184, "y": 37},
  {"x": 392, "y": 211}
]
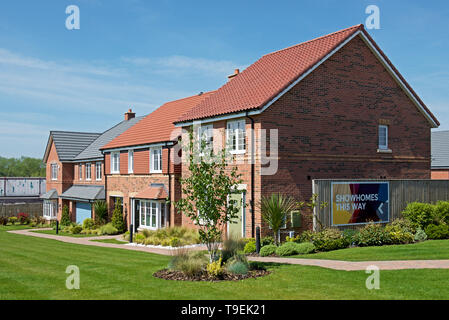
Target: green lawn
[
  {"x": 427, "y": 250},
  {"x": 34, "y": 268},
  {"x": 60, "y": 233},
  {"x": 114, "y": 241}
]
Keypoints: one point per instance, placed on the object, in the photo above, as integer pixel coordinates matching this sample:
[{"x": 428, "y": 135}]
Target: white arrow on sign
[{"x": 380, "y": 208}]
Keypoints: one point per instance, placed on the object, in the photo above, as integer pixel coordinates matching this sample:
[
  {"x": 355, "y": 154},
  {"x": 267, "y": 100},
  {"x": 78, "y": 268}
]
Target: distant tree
[
  {"x": 65, "y": 217},
  {"x": 21, "y": 167},
  {"x": 117, "y": 217}
]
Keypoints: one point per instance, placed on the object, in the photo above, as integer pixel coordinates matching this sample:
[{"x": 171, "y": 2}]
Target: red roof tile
[
  {"x": 158, "y": 125},
  {"x": 270, "y": 75},
  {"x": 152, "y": 193}
]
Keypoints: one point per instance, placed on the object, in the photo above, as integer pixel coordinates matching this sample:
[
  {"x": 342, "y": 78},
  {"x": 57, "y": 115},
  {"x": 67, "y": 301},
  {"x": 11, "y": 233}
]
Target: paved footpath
[{"x": 330, "y": 264}]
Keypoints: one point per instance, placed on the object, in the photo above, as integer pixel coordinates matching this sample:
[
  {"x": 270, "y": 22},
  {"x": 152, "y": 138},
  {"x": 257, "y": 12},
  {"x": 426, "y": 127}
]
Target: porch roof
[
  {"x": 80, "y": 192},
  {"x": 50, "y": 194},
  {"x": 153, "y": 192}
]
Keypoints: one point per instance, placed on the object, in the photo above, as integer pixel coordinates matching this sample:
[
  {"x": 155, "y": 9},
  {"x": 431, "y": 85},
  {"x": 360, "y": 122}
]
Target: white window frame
[
  {"x": 113, "y": 155},
  {"x": 98, "y": 173},
  {"x": 234, "y": 126},
  {"x": 50, "y": 209},
  {"x": 383, "y": 146},
  {"x": 206, "y": 133},
  {"x": 153, "y": 169},
  {"x": 88, "y": 171},
  {"x": 80, "y": 171},
  {"x": 54, "y": 171},
  {"x": 150, "y": 205},
  {"x": 130, "y": 161}
]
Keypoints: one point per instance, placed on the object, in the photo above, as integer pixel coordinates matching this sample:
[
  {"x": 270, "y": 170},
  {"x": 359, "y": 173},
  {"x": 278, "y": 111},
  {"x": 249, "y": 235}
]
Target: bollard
[
  {"x": 57, "y": 226},
  {"x": 257, "y": 239},
  {"x": 131, "y": 231}
]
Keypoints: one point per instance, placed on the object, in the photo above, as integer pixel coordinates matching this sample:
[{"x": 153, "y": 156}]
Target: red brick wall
[
  {"x": 124, "y": 162},
  {"x": 440, "y": 174},
  {"x": 141, "y": 161}
]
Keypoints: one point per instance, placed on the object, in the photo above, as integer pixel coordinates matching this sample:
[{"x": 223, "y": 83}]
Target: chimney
[
  {"x": 130, "y": 115},
  {"x": 236, "y": 72}
]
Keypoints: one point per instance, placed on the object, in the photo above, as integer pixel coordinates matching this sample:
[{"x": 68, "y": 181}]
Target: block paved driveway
[{"x": 330, "y": 264}]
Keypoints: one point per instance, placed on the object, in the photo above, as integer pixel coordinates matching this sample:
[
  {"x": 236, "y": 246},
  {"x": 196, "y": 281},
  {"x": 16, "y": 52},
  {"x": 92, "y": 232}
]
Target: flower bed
[{"x": 168, "y": 274}]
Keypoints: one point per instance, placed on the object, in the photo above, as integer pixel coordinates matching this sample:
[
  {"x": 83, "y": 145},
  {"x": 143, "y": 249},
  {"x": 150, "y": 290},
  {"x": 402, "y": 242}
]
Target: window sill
[
  {"x": 156, "y": 171},
  {"x": 237, "y": 151},
  {"x": 384, "y": 151}
]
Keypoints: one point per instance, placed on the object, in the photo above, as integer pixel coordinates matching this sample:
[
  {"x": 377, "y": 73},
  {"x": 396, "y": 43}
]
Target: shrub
[
  {"x": 437, "y": 231},
  {"x": 287, "y": 249},
  {"x": 419, "y": 214},
  {"x": 349, "y": 235},
  {"x": 101, "y": 211},
  {"x": 3, "y": 221},
  {"x": 306, "y": 236},
  {"x": 23, "y": 218},
  {"x": 117, "y": 217},
  {"x": 255, "y": 265},
  {"x": 420, "y": 235},
  {"x": 174, "y": 242},
  {"x": 267, "y": 250},
  {"x": 108, "y": 229},
  {"x": 305, "y": 248},
  {"x": 190, "y": 263},
  {"x": 250, "y": 247},
  {"x": 401, "y": 231},
  {"x": 372, "y": 235},
  {"x": 329, "y": 239},
  {"x": 12, "y": 220},
  {"x": 38, "y": 221},
  {"x": 215, "y": 269},
  {"x": 441, "y": 212},
  {"x": 231, "y": 246},
  {"x": 237, "y": 267},
  {"x": 76, "y": 229},
  {"x": 65, "y": 217},
  {"x": 139, "y": 238},
  {"x": 88, "y": 224},
  {"x": 265, "y": 241}
]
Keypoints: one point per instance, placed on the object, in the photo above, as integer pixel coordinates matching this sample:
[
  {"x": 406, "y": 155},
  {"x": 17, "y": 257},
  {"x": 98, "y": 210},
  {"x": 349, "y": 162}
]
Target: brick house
[
  {"x": 440, "y": 155},
  {"x": 140, "y": 170},
  {"x": 340, "y": 109},
  {"x": 75, "y": 170}
]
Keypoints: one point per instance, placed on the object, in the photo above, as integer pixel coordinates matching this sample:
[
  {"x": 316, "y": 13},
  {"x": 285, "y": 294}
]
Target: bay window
[{"x": 153, "y": 214}]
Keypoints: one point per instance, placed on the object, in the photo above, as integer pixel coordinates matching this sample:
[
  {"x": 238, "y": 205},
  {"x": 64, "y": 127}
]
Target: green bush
[
  {"x": 215, "y": 268},
  {"x": 267, "y": 250},
  {"x": 75, "y": 229},
  {"x": 437, "y": 231},
  {"x": 441, "y": 213},
  {"x": 231, "y": 246},
  {"x": 65, "y": 217},
  {"x": 256, "y": 265},
  {"x": 305, "y": 248},
  {"x": 117, "y": 217},
  {"x": 306, "y": 236},
  {"x": 420, "y": 235},
  {"x": 265, "y": 241},
  {"x": 372, "y": 234},
  {"x": 174, "y": 242},
  {"x": 12, "y": 220},
  {"x": 101, "y": 211},
  {"x": 238, "y": 267},
  {"x": 401, "y": 231},
  {"x": 287, "y": 249},
  {"x": 88, "y": 224},
  {"x": 419, "y": 214},
  {"x": 349, "y": 235},
  {"x": 107, "y": 229},
  {"x": 139, "y": 238},
  {"x": 329, "y": 239},
  {"x": 250, "y": 247}
]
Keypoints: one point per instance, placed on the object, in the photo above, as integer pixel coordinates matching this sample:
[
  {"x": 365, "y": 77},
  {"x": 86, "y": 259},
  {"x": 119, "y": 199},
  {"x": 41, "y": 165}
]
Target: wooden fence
[
  {"x": 13, "y": 209},
  {"x": 401, "y": 192}
]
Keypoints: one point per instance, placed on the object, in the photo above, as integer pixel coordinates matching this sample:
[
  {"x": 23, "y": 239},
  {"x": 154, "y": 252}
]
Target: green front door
[{"x": 236, "y": 226}]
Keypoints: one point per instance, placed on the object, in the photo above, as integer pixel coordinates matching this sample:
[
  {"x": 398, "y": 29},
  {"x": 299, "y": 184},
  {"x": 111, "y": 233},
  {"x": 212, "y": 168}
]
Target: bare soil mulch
[{"x": 168, "y": 274}]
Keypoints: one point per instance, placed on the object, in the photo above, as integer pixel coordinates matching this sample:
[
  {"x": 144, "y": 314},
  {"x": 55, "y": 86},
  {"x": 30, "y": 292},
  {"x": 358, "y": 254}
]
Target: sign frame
[{"x": 358, "y": 182}]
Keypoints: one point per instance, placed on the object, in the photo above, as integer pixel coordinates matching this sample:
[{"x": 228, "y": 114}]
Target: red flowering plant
[{"x": 24, "y": 218}]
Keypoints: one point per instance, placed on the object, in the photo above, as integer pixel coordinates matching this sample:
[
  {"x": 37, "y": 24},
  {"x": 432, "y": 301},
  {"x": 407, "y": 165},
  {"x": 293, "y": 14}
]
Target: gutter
[{"x": 252, "y": 176}]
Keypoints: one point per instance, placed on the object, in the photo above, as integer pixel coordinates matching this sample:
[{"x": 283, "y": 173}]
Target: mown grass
[
  {"x": 34, "y": 268},
  {"x": 427, "y": 250}
]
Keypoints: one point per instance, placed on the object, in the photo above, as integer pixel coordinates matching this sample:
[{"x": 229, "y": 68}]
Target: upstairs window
[
  {"x": 206, "y": 137},
  {"x": 130, "y": 161},
  {"x": 383, "y": 137},
  {"x": 80, "y": 171},
  {"x": 98, "y": 170},
  {"x": 156, "y": 160},
  {"x": 115, "y": 162},
  {"x": 88, "y": 171},
  {"x": 235, "y": 136},
  {"x": 54, "y": 171}
]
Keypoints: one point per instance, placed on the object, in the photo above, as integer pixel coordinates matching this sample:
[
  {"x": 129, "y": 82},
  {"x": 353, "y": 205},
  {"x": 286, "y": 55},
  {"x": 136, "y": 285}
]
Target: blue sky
[{"x": 142, "y": 53}]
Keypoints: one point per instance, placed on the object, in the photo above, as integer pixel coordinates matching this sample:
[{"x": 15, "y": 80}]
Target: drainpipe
[
  {"x": 252, "y": 175},
  {"x": 168, "y": 147}
]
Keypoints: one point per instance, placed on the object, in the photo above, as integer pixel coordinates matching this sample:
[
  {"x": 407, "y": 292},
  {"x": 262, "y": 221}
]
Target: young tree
[
  {"x": 117, "y": 217},
  {"x": 274, "y": 211},
  {"x": 101, "y": 212},
  {"x": 65, "y": 216},
  {"x": 206, "y": 192}
]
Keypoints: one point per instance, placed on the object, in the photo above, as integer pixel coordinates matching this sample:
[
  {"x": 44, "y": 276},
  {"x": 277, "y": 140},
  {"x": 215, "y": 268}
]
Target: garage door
[{"x": 83, "y": 211}]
